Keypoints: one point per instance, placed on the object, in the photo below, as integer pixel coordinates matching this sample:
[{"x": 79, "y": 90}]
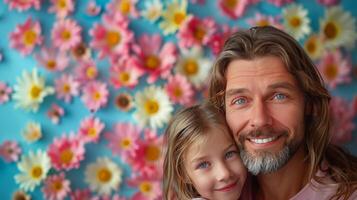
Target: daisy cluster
[{"x": 149, "y": 76}]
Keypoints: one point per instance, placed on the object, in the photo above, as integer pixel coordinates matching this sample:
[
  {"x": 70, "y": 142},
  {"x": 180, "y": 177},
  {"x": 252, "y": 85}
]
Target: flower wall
[{"x": 88, "y": 87}]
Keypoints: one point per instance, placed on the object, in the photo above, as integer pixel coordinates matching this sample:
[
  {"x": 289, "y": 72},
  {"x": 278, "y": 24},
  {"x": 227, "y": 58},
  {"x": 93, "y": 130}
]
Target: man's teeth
[{"x": 263, "y": 140}]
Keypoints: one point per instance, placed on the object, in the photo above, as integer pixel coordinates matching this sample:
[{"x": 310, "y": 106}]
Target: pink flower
[
  {"x": 342, "y": 124},
  {"x": 22, "y": 5},
  {"x": 92, "y": 9},
  {"x": 217, "y": 40},
  {"x": 179, "y": 90},
  {"x": 235, "y": 8},
  {"x": 328, "y": 2},
  {"x": 107, "y": 197},
  {"x": 61, "y": 7},
  {"x": 26, "y": 36},
  {"x": 263, "y": 20},
  {"x": 95, "y": 95},
  {"x": 149, "y": 188},
  {"x": 66, "y": 87},
  {"x": 79, "y": 194},
  {"x": 66, "y": 152},
  {"x": 5, "y": 92},
  {"x": 90, "y": 129},
  {"x": 112, "y": 38},
  {"x": 52, "y": 59},
  {"x": 10, "y": 151},
  {"x": 123, "y": 141},
  {"x": 86, "y": 71},
  {"x": 124, "y": 7},
  {"x": 66, "y": 34},
  {"x": 55, "y": 113},
  {"x": 154, "y": 59},
  {"x": 123, "y": 74},
  {"x": 196, "y": 32},
  {"x": 280, "y": 3},
  {"x": 56, "y": 187},
  {"x": 335, "y": 69}
]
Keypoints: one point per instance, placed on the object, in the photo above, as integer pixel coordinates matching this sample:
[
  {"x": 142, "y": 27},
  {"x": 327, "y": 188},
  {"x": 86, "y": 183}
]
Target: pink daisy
[
  {"x": 149, "y": 188},
  {"x": 263, "y": 20},
  {"x": 66, "y": 34},
  {"x": 56, "y": 187},
  {"x": 342, "y": 121},
  {"x": 66, "y": 87},
  {"x": 123, "y": 140},
  {"x": 124, "y": 101},
  {"x": 123, "y": 74},
  {"x": 92, "y": 9},
  {"x": 154, "y": 58},
  {"x": 90, "y": 129},
  {"x": 86, "y": 70},
  {"x": 95, "y": 95},
  {"x": 22, "y": 5},
  {"x": 112, "y": 38},
  {"x": 280, "y": 3},
  {"x": 5, "y": 92},
  {"x": 26, "y": 36},
  {"x": 196, "y": 32},
  {"x": 217, "y": 40},
  {"x": 62, "y": 8},
  {"x": 81, "y": 52},
  {"x": 335, "y": 69},
  {"x": 66, "y": 152},
  {"x": 235, "y": 8},
  {"x": 10, "y": 151},
  {"x": 179, "y": 90},
  {"x": 55, "y": 113},
  {"x": 124, "y": 7},
  {"x": 52, "y": 59},
  {"x": 328, "y": 2},
  {"x": 81, "y": 194}
]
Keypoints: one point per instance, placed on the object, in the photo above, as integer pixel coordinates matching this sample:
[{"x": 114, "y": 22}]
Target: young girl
[{"x": 201, "y": 160}]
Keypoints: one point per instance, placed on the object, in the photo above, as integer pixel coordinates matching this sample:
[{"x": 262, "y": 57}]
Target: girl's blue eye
[
  {"x": 231, "y": 154},
  {"x": 203, "y": 165}
]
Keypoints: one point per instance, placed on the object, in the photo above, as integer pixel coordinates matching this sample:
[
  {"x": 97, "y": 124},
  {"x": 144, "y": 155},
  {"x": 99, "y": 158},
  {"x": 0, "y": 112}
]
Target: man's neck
[{"x": 286, "y": 182}]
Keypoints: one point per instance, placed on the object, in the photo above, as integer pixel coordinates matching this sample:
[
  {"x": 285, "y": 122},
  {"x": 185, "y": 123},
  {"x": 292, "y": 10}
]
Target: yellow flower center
[
  {"x": 125, "y": 143},
  {"x": 152, "y": 62},
  {"x": 33, "y": 135},
  {"x": 151, "y": 107},
  {"x": 36, "y": 172},
  {"x": 331, "y": 71},
  {"x": 125, "y": 7},
  {"x": 35, "y": 92},
  {"x": 104, "y": 175},
  {"x": 57, "y": 185},
  {"x": 330, "y": 30},
  {"x": 311, "y": 45},
  {"x": 124, "y": 77},
  {"x": 66, "y": 156},
  {"x": 122, "y": 101},
  {"x": 177, "y": 92},
  {"x": 113, "y": 38},
  {"x": 96, "y": 96},
  {"x": 51, "y": 64},
  {"x": 66, "y": 88},
  {"x": 179, "y": 17},
  {"x": 231, "y": 4},
  {"x": 199, "y": 33},
  {"x": 295, "y": 22},
  {"x": 190, "y": 67},
  {"x": 152, "y": 153},
  {"x": 62, "y": 4},
  {"x": 263, "y": 22},
  {"x": 91, "y": 72},
  {"x": 92, "y": 132},
  {"x": 145, "y": 187},
  {"x": 66, "y": 35},
  {"x": 30, "y": 37}
]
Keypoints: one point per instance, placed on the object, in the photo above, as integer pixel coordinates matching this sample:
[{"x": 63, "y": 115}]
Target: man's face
[{"x": 265, "y": 111}]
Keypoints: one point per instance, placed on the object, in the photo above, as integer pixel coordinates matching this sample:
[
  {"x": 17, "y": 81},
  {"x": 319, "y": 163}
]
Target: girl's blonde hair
[{"x": 186, "y": 128}]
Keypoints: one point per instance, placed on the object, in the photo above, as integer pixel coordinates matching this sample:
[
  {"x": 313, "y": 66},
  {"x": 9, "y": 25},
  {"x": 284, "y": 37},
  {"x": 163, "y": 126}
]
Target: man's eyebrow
[
  {"x": 235, "y": 91},
  {"x": 284, "y": 85}
]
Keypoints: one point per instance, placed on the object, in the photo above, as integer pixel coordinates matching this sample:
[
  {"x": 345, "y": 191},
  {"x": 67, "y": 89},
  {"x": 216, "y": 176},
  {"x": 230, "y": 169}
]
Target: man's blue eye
[
  {"x": 230, "y": 154},
  {"x": 240, "y": 101},
  {"x": 280, "y": 96},
  {"x": 203, "y": 165}
]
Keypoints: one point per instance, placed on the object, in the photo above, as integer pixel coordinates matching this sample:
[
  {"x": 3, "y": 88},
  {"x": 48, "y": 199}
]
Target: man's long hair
[{"x": 268, "y": 41}]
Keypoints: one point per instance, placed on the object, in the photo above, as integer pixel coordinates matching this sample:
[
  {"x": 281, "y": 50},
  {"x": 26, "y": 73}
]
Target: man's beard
[{"x": 263, "y": 162}]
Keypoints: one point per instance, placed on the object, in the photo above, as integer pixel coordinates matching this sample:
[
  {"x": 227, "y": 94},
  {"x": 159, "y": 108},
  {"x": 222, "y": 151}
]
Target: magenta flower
[
  {"x": 66, "y": 34},
  {"x": 62, "y": 8},
  {"x": 66, "y": 87},
  {"x": 26, "y": 36},
  {"x": 5, "y": 92},
  {"x": 21, "y": 5},
  {"x": 328, "y": 2},
  {"x": 81, "y": 194},
  {"x": 154, "y": 58},
  {"x": 149, "y": 187},
  {"x": 90, "y": 129},
  {"x": 217, "y": 40},
  {"x": 196, "y": 32},
  {"x": 234, "y": 8},
  {"x": 280, "y": 3},
  {"x": 123, "y": 74},
  {"x": 124, "y": 7},
  {"x": 56, "y": 187},
  {"x": 10, "y": 151},
  {"x": 52, "y": 59},
  {"x": 179, "y": 90},
  {"x": 95, "y": 95},
  {"x": 55, "y": 113},
  {"x": 66, "y": 152},
  {"x": 86, "y": 71}
]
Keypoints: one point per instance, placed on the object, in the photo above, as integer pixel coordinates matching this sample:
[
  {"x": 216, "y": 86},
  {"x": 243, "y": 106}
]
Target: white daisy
[
  {"x": 32, "y": 132},
  {"x": 338, "y": 28},
  {"x": 295, "y": 21},
  {"x": 313, "y": 46},
  {"x": 31, "y": 90},
  {"x": 174, "y": 16},
  {"x": 153, "y": 10},
  {"x": 103, "y": 176},
  {"x": 153, "y": 107},
  {"x": 34, "y": 168},
  {"x": 194, "y": 66}
]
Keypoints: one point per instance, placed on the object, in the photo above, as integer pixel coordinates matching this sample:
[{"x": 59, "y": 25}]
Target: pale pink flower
[
  {"x": 52, "y": 59},
  {"x": 55, "y": 113},
  {"x": 196, "y": 32},
  {"x": 66, "y": 87},
  {"x": 123, "y": 74},
  {"x": 66, "y": 152},
  {"x": 335, "y": 69},
  {"x": 112, "y": 38},
  {"x": 26, "y": 36},
  {"x": 179, "y": 90},
  {"x": 10, "y": 151},
  {"x": 90, "y": 129},
  {"x": 66, "y": 34},
  {"x": 217, "y": 40},
  {"x": 21, "y": 5},
  {"x": 124, "y": 7},
  {"x": 56, "y": 187},
  {"x": 280, "y": 3},
  {"x": 86, "y": 70},
  {"x": 264, "y": 20},
  {"x": 62, "y": 8},
  {"x": 149, "y": 187},
  {"x": 328, "y": 2},
  {"x": 154, "y": 58},
  {"x": 342, "y": 121},
  {"x": 123, "y": 140},
  {"x": 5, "y": 92},
  {"x": 81, "y": 194},
  {"x": 235, "y": 8},
  {"x": 92, "y": 9},
  {"x": 95, "y": 95}
]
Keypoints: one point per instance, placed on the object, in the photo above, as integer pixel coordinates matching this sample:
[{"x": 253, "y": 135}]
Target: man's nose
[
  {"x": 261, "y": 115},
  {"x": 223, "y": 173}
]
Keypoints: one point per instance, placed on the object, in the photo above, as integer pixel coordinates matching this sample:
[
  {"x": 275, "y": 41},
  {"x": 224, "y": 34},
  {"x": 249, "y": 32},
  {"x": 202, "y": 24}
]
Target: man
[{"x": 276, "y": 105}]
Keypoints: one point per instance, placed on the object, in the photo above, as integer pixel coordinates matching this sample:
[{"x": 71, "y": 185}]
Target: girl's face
[{"x": 214, "y": 166}]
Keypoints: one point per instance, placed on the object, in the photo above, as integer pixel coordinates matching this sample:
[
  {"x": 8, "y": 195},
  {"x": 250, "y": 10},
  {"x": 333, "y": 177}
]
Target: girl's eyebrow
[{"x": 200, "y": 158}]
